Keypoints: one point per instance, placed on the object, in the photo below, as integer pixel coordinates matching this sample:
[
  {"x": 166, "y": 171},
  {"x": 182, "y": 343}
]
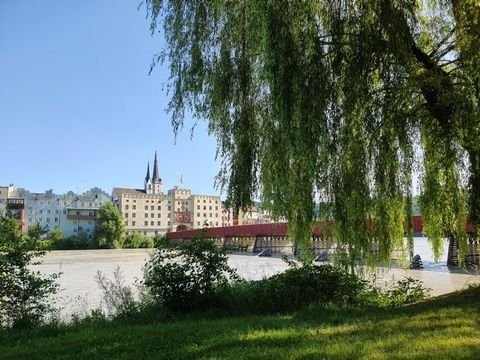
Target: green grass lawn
[{"x": 442, "y": 328}]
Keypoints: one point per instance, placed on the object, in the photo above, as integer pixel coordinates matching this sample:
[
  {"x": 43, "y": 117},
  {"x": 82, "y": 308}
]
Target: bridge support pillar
[{"x": 452, "y": 257}]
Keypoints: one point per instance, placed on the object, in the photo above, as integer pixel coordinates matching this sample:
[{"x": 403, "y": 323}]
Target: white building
[
  {"x": 149, "y": 211},
  {"x": 70, "y": 212}
]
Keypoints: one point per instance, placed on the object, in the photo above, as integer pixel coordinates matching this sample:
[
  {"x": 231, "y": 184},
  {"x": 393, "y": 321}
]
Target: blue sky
[{"x": 74, "y": 85}]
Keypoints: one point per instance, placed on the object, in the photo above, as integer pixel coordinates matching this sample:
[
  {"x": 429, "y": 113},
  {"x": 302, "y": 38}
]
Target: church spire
[
  {"x": 156, "y": 178},
  {"x": 147, "y": 178}
]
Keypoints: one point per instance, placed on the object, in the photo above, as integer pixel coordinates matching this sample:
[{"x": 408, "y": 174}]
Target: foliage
[
  {"x": 25, "y": 295},
  {"x": 75, "y": 242},
  {"x": 338, "y": 101},
  {"x": 185, "y": 277},
  {"x": 442, "y": 328},
  {"x": 406, "y": 291},
  {"x": 117, "y": 298},
  {"x": 292, "y": 289},
  {"x": 55, "y": 238},
  {"x": 110, "y": 229},
  {"x": 137, "y": 240}
]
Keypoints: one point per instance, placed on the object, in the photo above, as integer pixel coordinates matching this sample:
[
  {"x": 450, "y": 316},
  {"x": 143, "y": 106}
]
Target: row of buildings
[{"x": 149, "y": 210}]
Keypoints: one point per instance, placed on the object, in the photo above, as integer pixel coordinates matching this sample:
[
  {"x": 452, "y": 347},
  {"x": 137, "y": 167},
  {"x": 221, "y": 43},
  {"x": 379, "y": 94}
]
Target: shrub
[
  {"x": 406, "y": 291},
  {"x": 147, "y": 242},
  {"x": 185, "y": 278},
  {"x": 118, "y": 298},
  {"x": 292, "y": 289},
  {"x": 25, "y": 295},
  {"x": 75, "y": 242},
  {"x": 136, "y": 240}
]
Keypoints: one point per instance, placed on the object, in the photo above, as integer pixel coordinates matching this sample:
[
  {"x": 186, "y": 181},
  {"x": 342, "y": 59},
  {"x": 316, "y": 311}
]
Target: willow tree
[{"x": 338, "y": 100}]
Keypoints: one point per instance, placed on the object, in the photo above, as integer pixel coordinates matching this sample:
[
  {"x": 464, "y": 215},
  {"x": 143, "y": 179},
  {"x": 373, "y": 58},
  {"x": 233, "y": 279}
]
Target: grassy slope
[{"x": 444, "y": 328}]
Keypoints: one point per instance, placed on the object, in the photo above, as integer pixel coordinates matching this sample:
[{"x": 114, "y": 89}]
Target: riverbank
[
  {"x": 442, "y": 328},
  {"x": 80, "y": 293}
]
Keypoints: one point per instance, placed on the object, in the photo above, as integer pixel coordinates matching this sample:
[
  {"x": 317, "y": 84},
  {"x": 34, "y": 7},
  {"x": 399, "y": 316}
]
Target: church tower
[
  {"x": 156, "y": 181},
  {"x": 148, "y": 181}
]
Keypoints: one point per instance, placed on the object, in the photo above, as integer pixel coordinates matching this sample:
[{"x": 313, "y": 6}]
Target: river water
[{"x": 80, "y": 292}]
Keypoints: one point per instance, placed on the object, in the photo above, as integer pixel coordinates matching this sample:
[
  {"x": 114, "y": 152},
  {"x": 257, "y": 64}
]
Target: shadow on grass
[{"x": 441, "y": 328}]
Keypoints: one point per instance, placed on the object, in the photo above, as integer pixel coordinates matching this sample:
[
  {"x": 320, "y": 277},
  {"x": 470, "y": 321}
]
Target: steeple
[
  {"x": 147, "y": 178},
  {"x": 156, "y": 178}
]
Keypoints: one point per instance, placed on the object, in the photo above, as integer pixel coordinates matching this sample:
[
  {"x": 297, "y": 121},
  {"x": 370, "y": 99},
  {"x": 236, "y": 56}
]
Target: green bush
[
  {"x": 75, "y": 242},
  {"x": 185, "y": 278},
  {"x": 137, "y": 240},
  {"x": 25, "y": 295},
  {"x": 292, "y": 289}
]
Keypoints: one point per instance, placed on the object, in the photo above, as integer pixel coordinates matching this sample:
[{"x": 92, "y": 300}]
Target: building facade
[
  {"x": 71, "y": 213},
  {"x": 150, "y": 211},
  {"x": 12, "y": 204}
]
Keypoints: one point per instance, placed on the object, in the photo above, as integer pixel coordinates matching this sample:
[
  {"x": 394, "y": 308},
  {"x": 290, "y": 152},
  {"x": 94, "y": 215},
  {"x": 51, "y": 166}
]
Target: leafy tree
[
  {"x": 25, "y": 295},
  {"x": 109, "y": 230},
  {"x": 339, "y": 101}
]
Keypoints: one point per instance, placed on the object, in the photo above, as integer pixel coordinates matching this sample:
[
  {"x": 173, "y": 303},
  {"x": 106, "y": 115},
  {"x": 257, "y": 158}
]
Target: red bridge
[{"x": 259, "y": 237}]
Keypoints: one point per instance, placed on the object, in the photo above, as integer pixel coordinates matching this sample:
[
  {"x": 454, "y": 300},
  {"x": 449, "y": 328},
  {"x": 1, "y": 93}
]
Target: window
[
  {"x": 156, "y": 232},
  {"x": 216, "y": 215},
  {"x": 134, "y": 215},
  {"x": 204, "y": 214},
  {"x": 210, "y": 207},
  {"x": 169, "y": 214},
  {"x": 56, "y": 211},
  {"x": 41, "y": 211},
  {"x": 152, "y": 215},
  {"x": 198, "y": 207},
  {"x": 159, "y": 215},
  {"x": 169, "y": 208},
  {"x": 210, "y": 215},
  {"x": 134, "y": 207},
  {"x": 64, "y": 212},
  {"x": 152, "y": 207},
  {"x": 75, "y": 230},
  {"x": 198, "y": 223},
  {"x": 146, "y": 207},
  {"x": 126, "y": 215},
  {"x": 126, "y": 223},
  {"x": 216, "y": 224},
  {"x": 204, "y": 201},
  {"x": 48, "y": 211},
  {"x": 133, "y": 223},
  {"x": 146, "y": 215},
  {"x": 144, "y": 233},
  {"x": 216, "y": 207},
  {"x": 56, "y": 219},
  {"x": 48, "y": 219},
  {"x": 152, "y": 223},
  {"x": 126, "y": 207},
  {"x": 198, "y": 214},
  {"x": 159, "y": 223},
  {"x": 146, "y": 223},
  {"x": 134, "y": 201},
  {"x": 169, "y": 223},
  {"x": 159, "y": 208},
  {"x": 204, "y": 207}
]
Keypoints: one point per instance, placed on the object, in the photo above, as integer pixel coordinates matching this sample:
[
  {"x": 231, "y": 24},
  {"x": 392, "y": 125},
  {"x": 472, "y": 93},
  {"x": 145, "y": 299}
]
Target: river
[{"x": 80, "y": 292}]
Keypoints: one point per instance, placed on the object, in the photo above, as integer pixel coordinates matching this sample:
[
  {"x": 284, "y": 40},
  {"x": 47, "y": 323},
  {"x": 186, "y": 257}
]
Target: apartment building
[{"x": 150, "y": 211}]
